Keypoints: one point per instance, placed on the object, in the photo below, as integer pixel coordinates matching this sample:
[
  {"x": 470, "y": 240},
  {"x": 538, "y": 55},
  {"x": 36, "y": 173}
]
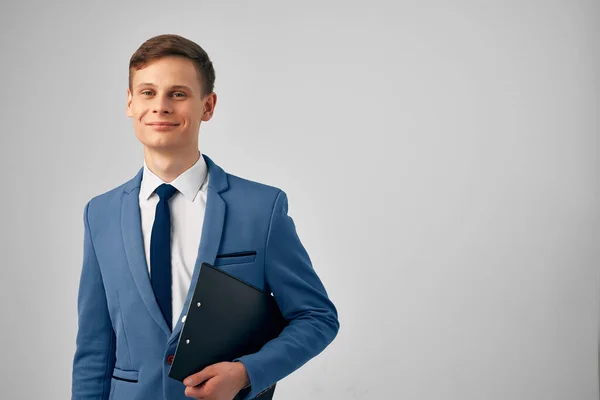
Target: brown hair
[{"x": 174, "y": 45}]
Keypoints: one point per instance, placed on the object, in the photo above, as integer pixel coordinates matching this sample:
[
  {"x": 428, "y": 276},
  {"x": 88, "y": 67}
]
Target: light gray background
[{"x": 440, "y": 157}]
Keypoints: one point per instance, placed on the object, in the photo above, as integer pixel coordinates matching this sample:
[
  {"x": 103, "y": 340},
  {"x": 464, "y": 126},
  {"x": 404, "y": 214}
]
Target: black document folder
[{"x": 227, "y": 318}]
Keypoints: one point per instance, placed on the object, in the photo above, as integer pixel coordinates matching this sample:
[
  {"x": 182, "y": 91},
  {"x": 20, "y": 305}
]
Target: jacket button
[{"x": 170, "y": 359}]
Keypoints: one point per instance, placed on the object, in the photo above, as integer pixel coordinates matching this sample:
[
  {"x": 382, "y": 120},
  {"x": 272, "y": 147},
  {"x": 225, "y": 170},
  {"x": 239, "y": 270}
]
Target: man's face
[{"x": 166, "y": 104}]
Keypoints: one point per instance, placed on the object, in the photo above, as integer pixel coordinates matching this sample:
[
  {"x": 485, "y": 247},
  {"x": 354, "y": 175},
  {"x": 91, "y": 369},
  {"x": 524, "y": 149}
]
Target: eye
[
  {"x": 179, "y": 94},
  {"x": 146, "y": 91}
]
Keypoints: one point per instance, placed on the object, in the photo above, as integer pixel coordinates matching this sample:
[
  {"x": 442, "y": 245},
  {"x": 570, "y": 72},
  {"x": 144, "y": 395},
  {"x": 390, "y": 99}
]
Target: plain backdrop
[{"x": 441, "y": 160}]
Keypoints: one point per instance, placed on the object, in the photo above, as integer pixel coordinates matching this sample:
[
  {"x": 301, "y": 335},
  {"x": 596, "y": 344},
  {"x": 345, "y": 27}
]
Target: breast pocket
[{"x": 240, "y": 257}]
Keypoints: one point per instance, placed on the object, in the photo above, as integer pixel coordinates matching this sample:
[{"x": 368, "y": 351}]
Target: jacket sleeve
[
  {"x": 94, "y": 358},
  {"x": 303, "y": 301}
]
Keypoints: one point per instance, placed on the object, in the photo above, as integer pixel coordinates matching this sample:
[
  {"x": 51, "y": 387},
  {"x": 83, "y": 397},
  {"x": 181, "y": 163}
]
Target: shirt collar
[{"x": 188, "y": 182}]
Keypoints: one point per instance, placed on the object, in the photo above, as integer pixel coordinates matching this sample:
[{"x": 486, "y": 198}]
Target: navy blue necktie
[{"x": 160, "y": 252}]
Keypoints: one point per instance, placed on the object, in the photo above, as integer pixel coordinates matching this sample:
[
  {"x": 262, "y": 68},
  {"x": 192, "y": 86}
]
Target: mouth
[{"x": 162, "y": 126}]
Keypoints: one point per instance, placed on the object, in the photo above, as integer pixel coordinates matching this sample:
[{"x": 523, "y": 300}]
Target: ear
[
  {"x": 209, "y": 106},
  {"x": 129, "y": 98}
]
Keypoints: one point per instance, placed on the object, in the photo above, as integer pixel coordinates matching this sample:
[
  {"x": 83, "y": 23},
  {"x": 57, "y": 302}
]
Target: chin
[
  {"x": 164, "y": 141},
  {"x": 157, "y": 139},
  {"x": 162, "y": 144}
]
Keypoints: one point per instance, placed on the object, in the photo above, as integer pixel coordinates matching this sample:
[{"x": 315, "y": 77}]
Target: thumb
[{"x": 199, "y": 377}]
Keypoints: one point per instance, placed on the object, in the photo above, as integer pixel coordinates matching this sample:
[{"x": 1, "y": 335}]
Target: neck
[{"x": 168, "y": 166}]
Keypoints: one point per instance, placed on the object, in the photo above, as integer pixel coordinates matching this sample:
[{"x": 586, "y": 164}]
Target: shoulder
[
  {"x": 239, "y": 183},
  {"x": 110, "y": 200},
  {"x": 254, "y": 193}
]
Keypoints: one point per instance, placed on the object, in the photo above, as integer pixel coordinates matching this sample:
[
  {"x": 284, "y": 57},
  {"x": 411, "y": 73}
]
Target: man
[{"x": 145, "y": 240}]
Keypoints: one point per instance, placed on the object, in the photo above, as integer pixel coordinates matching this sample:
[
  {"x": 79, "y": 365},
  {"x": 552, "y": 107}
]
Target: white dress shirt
[{"x": 187, "y": 208}]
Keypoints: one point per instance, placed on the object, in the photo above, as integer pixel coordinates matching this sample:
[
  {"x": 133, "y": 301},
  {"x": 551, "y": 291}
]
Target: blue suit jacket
[{"x": 123, "y": 341}]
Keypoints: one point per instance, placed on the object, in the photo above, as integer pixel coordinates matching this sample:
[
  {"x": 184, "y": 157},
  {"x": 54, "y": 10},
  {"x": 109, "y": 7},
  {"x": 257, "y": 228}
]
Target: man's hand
[{"x": 221, "y": 381}]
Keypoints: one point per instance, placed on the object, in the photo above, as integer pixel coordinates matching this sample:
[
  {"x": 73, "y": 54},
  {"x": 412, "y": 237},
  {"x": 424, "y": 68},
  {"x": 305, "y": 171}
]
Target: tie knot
[{"x": 165, "y": 191}]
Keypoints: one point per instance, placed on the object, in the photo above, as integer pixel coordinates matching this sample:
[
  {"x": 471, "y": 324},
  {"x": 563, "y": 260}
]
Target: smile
[{"x": 162, "y": 126}]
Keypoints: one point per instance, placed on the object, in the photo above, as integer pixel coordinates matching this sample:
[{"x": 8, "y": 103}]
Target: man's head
[{"x": 171, "y": 81}]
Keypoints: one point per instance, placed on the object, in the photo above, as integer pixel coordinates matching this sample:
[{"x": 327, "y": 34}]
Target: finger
[
  {"x": 199, "y": 392},
  {"x": 199, "y": 377}
]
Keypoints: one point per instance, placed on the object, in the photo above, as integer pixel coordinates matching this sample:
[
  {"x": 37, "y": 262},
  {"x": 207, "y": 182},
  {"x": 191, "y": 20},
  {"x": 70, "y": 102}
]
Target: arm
[
  {"x": 302, "y": 299},
  {"x": 94, "y": 358}
]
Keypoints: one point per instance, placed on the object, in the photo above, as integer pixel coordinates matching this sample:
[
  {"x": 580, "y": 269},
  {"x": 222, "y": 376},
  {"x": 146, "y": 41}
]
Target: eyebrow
[{"x": 172, "y": 87}]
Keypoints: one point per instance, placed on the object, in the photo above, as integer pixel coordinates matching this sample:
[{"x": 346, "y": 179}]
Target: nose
[{"x": 162, "y": 105}]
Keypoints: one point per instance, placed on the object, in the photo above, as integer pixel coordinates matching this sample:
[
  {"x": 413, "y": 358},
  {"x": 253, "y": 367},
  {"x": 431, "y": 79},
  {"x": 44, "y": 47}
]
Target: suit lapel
[
  {"x": 212, "y": 230},
  {"x": 131, "y": 228}
]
